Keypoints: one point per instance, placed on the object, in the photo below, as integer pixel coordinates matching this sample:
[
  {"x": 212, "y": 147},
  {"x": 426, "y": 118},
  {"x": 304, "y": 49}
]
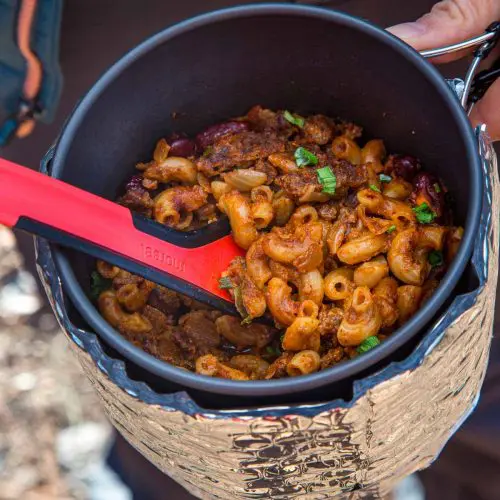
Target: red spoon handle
[{"x": 73, "y": 217}]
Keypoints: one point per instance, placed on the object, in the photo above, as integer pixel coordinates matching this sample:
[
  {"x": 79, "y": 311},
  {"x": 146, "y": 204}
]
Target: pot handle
[{"x": 474, "y": 86}]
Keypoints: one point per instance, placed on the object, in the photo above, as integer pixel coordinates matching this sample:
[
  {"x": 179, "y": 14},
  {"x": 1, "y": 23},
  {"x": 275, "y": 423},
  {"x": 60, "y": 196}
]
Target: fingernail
[{"x": 407, "y": 31}]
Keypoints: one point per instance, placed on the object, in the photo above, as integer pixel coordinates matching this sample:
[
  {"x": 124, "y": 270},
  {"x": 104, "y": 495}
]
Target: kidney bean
[
  {"x": 174, "y": 136},
  {"x": 183, "y": 147},
  {"x": 213, "y": 133},
  {"x": 404, "y": 166},
  {"x": 135, "y": 183},
  {"x": 428, "y": 189}
]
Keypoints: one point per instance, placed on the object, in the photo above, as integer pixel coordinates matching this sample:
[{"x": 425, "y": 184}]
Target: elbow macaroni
[
  {"x": 238, "y": 209},
  {"x": 372, "y": 272},
  {"x": 334, "y": 256},
  {"x": 303, "y": 333},
  {"x": 408, "y": 254},
  {"x": 262, "y": 207},
  {"x": 373, "y": 154},
  {"x": 346, "y": 149},
  {"x": 339, "y": 283},
  {"x": 361, "y": 320},
  {"x": 408, "y": 301},
  {"x": 303, "y": 363},
  {"x": 244, "y": 179},
  {"x": 173, "y": 169},
  {"x": 362, "y": 249},
  {"x": 112, "y": 312},
  {"x": 210, "y": 366}
]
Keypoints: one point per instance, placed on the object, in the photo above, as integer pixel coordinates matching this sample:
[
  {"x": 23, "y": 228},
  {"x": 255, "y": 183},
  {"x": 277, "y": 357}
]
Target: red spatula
[{"x": 187, "y": 262}]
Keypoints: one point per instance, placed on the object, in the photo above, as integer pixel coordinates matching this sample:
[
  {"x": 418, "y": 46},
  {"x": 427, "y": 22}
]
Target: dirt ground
[{"x": 52, "y": 428}]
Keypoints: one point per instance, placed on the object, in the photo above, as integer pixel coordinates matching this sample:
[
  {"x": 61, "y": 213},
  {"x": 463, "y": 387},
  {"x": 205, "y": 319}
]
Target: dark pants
[{"x": 95, "y": 33}]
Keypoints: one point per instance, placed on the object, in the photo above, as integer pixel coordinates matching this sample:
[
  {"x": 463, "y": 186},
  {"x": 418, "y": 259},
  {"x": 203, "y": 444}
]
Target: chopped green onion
[
  {"x": 368, "y": 344},
  {"x": 385, "y": 178},
  {"x": 246, "y": 321},
  {"x": 437, "y": 187},
  {"x": 208, "y": 151},
  {"x": 273, "y": 351},
  {"x": 225, "y": 283},
  {"x": 98, "y": 285},
  {"x": 294, "y": 119},
  {"x": 324, "y": 172},
  {"x": 238, "y": 302},
  {"x": 374, "y": 188},
  {"x": 435, "y": 258},
  {"x": 391, "y": 229},
  {"x": 303, "y": 157},
  {"x": 327, "y": 178},
  {"x": 424, "y": 213}
]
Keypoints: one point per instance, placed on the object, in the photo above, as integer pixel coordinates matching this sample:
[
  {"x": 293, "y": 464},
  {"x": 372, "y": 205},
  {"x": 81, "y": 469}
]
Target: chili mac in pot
[{"x": 335, "y": 151}]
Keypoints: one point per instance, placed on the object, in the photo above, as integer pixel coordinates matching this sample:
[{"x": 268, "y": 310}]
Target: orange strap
[{"x": 34, "y": 72}]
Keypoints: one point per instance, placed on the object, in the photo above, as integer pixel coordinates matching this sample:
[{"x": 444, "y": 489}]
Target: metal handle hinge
[{"x": 473, "y": 86}]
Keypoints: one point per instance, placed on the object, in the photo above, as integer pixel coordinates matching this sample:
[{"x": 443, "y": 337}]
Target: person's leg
[{"x": 141, "y": 476}]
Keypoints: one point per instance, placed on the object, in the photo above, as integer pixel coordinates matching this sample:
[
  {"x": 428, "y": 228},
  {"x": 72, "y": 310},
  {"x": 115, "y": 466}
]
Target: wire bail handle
[{"x": 474, "y": 86}]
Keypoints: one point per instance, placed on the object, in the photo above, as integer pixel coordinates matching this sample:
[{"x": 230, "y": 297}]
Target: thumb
[{"x": 449, "y": 21}]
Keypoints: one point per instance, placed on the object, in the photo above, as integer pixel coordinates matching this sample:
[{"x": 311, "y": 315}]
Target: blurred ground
[{"x": 53, "y": 434}]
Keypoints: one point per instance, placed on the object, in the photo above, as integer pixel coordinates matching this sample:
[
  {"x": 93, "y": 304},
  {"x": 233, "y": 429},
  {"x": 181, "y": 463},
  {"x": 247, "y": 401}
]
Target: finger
[
  {"x": 449, "y": 22},
  {"x": 486, "y": 111}
]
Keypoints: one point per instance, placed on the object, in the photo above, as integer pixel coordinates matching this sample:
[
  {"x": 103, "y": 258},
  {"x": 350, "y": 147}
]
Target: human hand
[{"x": 452, "y": 21}]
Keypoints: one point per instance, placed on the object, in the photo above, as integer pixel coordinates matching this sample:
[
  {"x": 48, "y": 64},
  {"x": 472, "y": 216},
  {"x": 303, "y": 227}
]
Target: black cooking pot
[{"x": 216, "y": 66}]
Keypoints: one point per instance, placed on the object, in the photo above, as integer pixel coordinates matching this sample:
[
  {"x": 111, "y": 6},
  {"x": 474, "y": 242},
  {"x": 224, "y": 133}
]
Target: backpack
[{"x": 30, "y": 75}]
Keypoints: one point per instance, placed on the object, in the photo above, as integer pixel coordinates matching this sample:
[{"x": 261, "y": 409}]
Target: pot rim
[{"x": 337, "y": 372}]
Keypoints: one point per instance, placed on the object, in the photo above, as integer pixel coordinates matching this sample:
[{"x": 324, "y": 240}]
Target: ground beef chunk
[
  {"x": 328, "y": 211},
  {"x": 332, "y": 357},
  {"x": 236, "y": 270},
  {"x": 296, "y": 185},
  {"x": 207, "y": 213},
  {"x": 239, "y": 150},
  {"x": 322, "y": 156},
  {"x": 261, "y": 119},
  {"x": 168, "y": 350},
  {"x": 163, "y": 346},
  {"x": 278, "y": 367},
  {"x": 349, "y": 129},
  {"x": 125, "y": 278},
  {"x": 329, "y": 320},
  {"x": 319, "y": 129},
  {"x": 183, "y": 199},
  {"x": 240, "y": 336},
  {"x": 158, "y": 320},
  {"x": 137, "y": 198},
  {"x": 165, "y": 300},
  {"x": 197, "y": 334},
  {"x": 213, "y": 133},
  {"x": 265, "y": 167},
  {"x": 159, "y": 341},
  {"x": 330, "y": 263},
  {"x": 348, "y": 175},
  {"x": 193, "y": 305}
]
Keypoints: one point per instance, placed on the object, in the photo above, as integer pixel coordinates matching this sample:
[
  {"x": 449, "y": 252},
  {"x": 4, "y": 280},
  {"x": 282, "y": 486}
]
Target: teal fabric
[{"x": 45, "y": 43}]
